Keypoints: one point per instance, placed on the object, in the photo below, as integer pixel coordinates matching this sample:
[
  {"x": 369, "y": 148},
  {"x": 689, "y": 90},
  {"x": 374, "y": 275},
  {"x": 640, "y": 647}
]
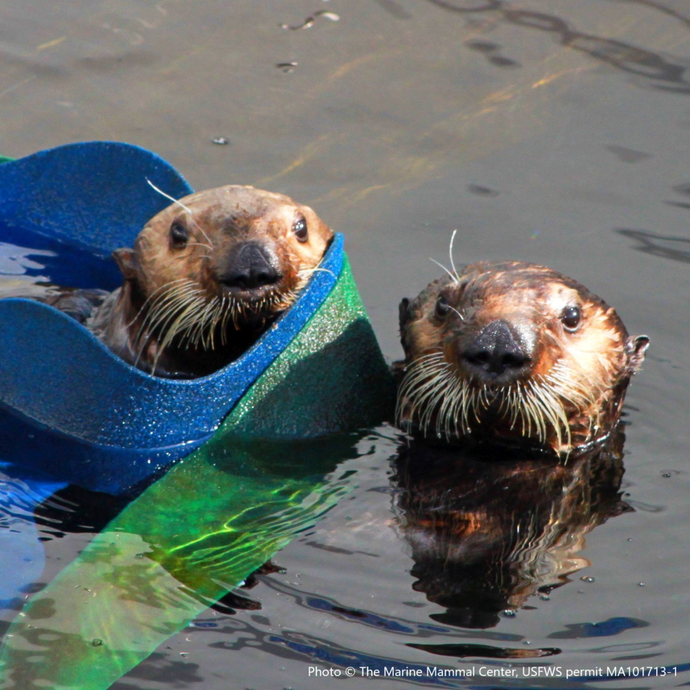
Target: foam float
[
  {"x": 73, "y": 410},
  {"x": 71, "y": 407}
]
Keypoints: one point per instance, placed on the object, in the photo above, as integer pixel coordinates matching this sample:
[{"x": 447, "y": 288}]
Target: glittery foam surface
[{"x": 67, "y": 402}]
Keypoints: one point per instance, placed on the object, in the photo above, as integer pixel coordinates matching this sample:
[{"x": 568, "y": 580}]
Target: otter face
[
  {"x": 514, "y": 351},
  {"x": 218, "y": 261}
]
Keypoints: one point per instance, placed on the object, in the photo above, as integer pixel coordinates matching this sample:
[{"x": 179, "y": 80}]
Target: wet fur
[
  {"x": 572, "y": 394},
  {"x": 172, "y": 317}
]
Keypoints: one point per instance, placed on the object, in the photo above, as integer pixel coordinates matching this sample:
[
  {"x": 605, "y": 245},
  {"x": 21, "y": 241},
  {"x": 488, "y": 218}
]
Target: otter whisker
[
  {"x": 529, "y": 415},
  {"x": 167, "y": 196},
  {"x": 160, "y": 326},
  {"x": 560, "y": 417},
  {"x": 186, "y": 208},
  {"x": 455, "y": 394},
  {"x": 180, "y": 328},
  {"x": 430, "y": 374},
  {"x": 166, "y": 310},
  {"x": 462, "y": 318},
  {"x": 450, "y": 253},
  {"x": 431, "y": 393},
  {"x": 440, "y": 265},
  {"x": 461, "y": 408},
  {"x": 423, "y": 364},
  {"x": 446, "y": 411},
  {"x": 200, "y": 244},
  {"x": 515, "y": 396},
  {"x": 166, "y": 306},
  {"x": 169, "y": 307},
  {"x": 307, "y": 272},
  {"x": 441, "y": 387},
  {"x": 202, "y": 330},
  {"x": 547, "y": 413},
  {"x": 213, "y": 326},
  {"x": 430, "y": 400},
  {"x": 223, "y": 321},
  {"x": 187, "y": 325},
  {"x": 193, "y": 318},
  {"x": 151, "y": 296},
  {"x": 426, "y": 367},
  {"x": 175, "y": 325},
  {"x": 433, "y": 390},
  {"x": 163, "y": 301}
]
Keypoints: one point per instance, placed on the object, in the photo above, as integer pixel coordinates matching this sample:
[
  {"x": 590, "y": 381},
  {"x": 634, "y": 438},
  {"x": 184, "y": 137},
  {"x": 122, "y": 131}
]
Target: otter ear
[
  {"x": 404, "y": 313},
  {"x": 636, "y": 346},
  {"x": 127, "y": 262}
]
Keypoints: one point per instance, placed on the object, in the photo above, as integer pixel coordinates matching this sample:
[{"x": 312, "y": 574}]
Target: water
[{"x": 554, "y": 132}]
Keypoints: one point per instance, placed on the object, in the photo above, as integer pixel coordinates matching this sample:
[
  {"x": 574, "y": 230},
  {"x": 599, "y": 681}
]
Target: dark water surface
[{"x": 550, "y": 131}]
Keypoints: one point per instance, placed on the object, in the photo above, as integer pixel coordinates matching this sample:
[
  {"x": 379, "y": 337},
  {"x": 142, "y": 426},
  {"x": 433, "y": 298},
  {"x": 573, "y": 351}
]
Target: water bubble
[
  {"x": 509, "y": 613},
  {"x": 221, "y": 141},
  {"x": 640, "y": 584},
  {"x": 96, "y": 642},
  {"x": 587, "y": 578},
  {"x": 545, "y": 597}
]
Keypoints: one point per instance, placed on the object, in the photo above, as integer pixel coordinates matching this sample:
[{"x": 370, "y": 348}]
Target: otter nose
[
  {"x": 496, "y": 351},
  {"x": 253, "y": 266}
]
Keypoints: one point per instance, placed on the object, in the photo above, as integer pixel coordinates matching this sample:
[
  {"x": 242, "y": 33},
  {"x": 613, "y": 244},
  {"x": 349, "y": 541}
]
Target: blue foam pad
[
  {"x": 56, "y": 376},
  {"x": 92, "y": 195}
]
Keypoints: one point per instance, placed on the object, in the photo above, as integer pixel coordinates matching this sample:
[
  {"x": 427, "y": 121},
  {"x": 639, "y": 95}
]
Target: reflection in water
[
  {"x": 486, "y": 534},
  {"x": 607, "y": 628},
  {"x": 309, "y": 21},
  {"x": 668, "y": 72},
  {"x": 492, "y": 54},
  {"x": 663, "y": 246},
  {"x": 627, "y": 155},
  {"x": 394, "y": 8},
  {"x": 287, "y": 67}
]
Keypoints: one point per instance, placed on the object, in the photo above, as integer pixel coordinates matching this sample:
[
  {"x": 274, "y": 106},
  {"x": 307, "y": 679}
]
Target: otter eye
[
  {"x": 571, "y": 318},
  {"x": 179, "y": 235},
  {"x": 442, "y": 307},
  {"x": 299, "y": 227}
]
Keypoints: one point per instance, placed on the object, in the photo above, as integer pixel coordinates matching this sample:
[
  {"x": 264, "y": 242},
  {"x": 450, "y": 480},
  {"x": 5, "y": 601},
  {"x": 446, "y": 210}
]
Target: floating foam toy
[
  {"x": 73, "y": 408},
  {"x": 69, "y": 406}
]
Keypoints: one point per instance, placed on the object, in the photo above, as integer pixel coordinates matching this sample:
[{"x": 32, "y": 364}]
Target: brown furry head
[
  {"x": 515, "y": 352},
  {"x": 207, "y": 276}
]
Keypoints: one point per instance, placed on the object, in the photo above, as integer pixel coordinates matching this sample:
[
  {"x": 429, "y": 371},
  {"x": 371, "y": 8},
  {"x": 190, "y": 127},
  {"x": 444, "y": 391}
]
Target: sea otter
[
  {"x": 206, "y": 277},
  {"x": 515, "y": 353}
]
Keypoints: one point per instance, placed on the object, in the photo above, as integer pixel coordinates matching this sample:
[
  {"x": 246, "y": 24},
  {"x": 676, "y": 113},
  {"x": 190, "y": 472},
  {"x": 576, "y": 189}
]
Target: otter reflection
[{"x": 487, "y": 533}]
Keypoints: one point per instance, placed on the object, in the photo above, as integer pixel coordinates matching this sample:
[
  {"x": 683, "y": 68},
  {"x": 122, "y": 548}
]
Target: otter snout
[
  {"x": 252, "y": 265},
  {"x": 496, "y": 354}
]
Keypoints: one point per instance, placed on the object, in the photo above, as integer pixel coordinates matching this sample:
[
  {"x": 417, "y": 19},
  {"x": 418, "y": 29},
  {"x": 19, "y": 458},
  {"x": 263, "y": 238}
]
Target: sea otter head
[
  {"x": 221, "y": 260},
  {"x": 514, "y": 352}
]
